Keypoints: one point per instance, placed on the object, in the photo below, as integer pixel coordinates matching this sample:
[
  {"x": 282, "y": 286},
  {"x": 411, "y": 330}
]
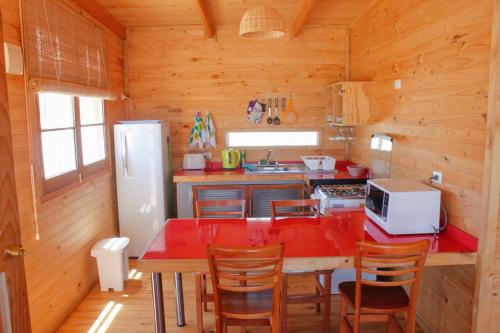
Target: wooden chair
[
  {"x": 397, "y": 265},
  {"x": 219, "y": 192},
  {"x": 306, "y": 207},
  {"x": 246, "y": 284},
  {"x": 217, "y": 208},
  {"x": 221, "y": 208}
]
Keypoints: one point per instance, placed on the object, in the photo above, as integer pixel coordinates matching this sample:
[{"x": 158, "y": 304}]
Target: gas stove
[
  {"x": 342, "y": 191},
  {"x": 340, "y": 196}
]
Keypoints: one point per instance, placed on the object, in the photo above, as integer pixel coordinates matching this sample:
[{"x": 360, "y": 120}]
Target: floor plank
[{"x": 134, "y": 310}]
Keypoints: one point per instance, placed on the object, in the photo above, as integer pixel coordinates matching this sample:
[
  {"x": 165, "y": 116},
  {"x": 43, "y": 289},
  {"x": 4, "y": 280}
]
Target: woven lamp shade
[{"x": 262, "y": 23}]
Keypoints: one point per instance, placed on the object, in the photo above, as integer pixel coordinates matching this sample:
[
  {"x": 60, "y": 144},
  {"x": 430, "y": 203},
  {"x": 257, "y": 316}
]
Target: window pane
[
  {"x": 58, "y": 149},
  {"x": 93, "y": 144},
  {"x": 91, "y": 111},
  {"x": 56, "y": 111},
  {"x": 272, "y": 139}
]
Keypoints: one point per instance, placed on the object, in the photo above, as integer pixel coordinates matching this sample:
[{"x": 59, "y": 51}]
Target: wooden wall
[
  {"x": 440, "y": 49},
  {"x": 174, "y": 72},
  {"x": 59, "y": 269},
  {"x": 495, "y": 292}
]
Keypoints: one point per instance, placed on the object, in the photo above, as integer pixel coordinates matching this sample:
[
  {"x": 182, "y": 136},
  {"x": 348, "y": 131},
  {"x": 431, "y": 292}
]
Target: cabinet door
[
  {"x": 262, "y": 195},
  {"x": 355, "y": 103}
]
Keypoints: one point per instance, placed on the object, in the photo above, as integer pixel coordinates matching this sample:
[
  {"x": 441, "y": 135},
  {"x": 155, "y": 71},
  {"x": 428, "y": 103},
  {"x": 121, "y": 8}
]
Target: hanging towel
[
  {"x": 209, "y": 132},
  {"x": 196, "y": 136}
]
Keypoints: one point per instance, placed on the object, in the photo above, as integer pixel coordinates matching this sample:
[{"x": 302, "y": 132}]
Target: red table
[{"x": 310, "y": 244}]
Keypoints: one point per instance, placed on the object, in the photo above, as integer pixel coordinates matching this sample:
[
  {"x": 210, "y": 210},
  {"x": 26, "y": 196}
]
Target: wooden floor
[{"x": 132, "y": 310}]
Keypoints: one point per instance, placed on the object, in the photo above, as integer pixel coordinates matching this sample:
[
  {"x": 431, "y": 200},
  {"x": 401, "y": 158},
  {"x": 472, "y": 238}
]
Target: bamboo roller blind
[{"x": 65, "y": 52}]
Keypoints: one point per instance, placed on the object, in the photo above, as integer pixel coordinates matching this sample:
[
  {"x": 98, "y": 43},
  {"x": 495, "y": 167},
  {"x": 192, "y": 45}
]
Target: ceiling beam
[
  {"x": 303, "y": 16},
  {"x": 208, "y": 24},
  {"x": 94, "y": 9}
]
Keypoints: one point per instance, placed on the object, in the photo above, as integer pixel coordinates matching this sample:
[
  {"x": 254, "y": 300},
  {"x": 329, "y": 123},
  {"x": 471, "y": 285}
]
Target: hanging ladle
[
  {"x": 276, "y": 120},
  {"x": 269, "y": 106}
]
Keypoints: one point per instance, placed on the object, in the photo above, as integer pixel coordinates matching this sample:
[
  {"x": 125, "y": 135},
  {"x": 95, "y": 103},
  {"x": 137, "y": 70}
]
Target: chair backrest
[
  {"x": 243, "y": 270},
  {"x": 399, "y": 265},
  {"x": 218, "y": 192},
  {"x": 305, "y": 207},
  {"x": 221, "y": 208}
]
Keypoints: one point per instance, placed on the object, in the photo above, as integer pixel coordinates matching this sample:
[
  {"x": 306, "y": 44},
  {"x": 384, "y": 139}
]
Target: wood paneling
[
  {"x": 93, "y": 8},
  {"x": 306, "y": 8},
  {"x": 441, "y": 51},
  {"x": 10, "y": 235},
  {"x": 134, "y": 13},
  {"x": 174, "y": 72},
  {"x": 206, "y": 18},
  {"x": 59, "y": 269},
  {"x": 486, "y": 300}
]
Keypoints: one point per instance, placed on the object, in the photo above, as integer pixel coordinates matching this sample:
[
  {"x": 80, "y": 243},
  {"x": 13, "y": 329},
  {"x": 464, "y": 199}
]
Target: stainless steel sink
[{"x": 279, "y": 168}]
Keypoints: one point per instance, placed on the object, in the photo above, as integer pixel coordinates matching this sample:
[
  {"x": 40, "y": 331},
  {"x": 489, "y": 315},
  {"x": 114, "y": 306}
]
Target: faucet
[
  {"x": 267, "y": 160},
  {"x": 269, "y": 156}
]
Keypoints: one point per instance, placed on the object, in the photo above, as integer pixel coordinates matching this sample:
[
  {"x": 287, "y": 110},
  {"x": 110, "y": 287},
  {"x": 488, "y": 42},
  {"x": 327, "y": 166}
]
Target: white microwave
[{"x": 403, "y": 206}]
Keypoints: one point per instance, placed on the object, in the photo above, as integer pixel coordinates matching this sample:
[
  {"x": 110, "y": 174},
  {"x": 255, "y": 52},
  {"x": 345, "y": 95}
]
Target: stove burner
[{"x": 343, "y": 191}]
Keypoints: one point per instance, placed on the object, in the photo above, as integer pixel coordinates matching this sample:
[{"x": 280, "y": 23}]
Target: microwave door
[{"x": 375, "y": 200}]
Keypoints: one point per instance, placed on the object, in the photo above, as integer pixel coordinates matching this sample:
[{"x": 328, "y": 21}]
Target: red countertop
[
  {"x": 331, "y": 236},
  {"x": 216, "y": 173}
]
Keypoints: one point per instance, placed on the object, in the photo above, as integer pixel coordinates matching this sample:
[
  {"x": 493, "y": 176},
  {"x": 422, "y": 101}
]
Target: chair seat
[
  {"x": 247, "y": 303},
  {"x": 376, "y": 298}
]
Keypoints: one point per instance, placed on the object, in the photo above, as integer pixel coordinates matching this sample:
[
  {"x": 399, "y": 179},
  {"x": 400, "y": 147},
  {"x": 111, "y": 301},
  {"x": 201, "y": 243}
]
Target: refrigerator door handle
[{"x": 124, "y": 154}]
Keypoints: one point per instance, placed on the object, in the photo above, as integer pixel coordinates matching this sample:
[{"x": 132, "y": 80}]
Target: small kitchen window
[
  {"x": 259, "y": 139},
  {"x": 72, "y": 139}
]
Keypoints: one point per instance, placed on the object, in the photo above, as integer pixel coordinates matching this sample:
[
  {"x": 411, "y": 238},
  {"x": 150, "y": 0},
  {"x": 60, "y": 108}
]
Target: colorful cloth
[
  {"x": 208, "y": 136},
  {"x": 196, "y": 136}
]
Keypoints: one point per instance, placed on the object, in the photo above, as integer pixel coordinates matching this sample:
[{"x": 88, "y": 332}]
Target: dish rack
[{"x": 326, "y": 163}]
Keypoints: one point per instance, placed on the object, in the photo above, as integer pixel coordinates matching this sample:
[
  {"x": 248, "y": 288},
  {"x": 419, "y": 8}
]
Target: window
[
  {"x": 273, "y": 139},
  {"x": 72, "y": 139}
]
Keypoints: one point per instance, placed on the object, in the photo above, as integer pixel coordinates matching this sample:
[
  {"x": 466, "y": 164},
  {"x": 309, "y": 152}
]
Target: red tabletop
[{"x": 331, "y": 236}]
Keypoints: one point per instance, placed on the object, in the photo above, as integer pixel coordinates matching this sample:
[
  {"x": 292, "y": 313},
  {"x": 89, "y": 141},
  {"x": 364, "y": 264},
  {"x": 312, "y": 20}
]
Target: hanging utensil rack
[{"x": 341, "y": 132}]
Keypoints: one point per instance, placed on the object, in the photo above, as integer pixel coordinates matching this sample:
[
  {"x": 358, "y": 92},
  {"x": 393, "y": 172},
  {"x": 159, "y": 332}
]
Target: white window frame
[{"x": 319, "y": 138}]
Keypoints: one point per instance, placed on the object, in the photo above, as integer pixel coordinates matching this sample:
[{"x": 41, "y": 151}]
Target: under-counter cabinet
[
  {"x": 350, "y": 103},
  {"x": 258, "y": 196}
]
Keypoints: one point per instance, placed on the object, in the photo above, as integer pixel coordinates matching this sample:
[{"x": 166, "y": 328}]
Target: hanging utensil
[
  {"x": 289, "y": 116},
  {"x": 269, "y": 106},
  {"x": 283, "y": 104},
  {"x": 276, "y": 120}
]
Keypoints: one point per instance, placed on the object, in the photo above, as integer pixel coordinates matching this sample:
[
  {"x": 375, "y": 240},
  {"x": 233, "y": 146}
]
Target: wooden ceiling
[{"x": 139, "y": 13}]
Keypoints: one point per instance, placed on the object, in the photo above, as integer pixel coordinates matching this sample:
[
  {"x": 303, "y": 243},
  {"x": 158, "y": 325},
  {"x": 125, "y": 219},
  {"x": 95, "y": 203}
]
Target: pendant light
[{"x": 262, "y": 23}]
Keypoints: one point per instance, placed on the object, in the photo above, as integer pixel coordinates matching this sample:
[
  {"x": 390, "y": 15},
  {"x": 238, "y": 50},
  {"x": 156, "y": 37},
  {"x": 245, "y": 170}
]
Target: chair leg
[
  {"x": 224, "y": 326},
  {"x": 343, "y": 314},
  {"x": 199, "y": 310},
  {"x": 327, "y": 301},
  {"x": 357, "y": 319},
  {"x": 411, "y": 320},
  {"x": 275, "y": 323},
  {"x": 393, "y": 325},
  {"x": 284, "y": 302},
  {"x": 204, "y": 290},
  {"x": 318, "y": 292}
]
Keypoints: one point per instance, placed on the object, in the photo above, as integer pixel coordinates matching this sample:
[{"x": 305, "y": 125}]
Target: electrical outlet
[
  {"x": 437, "y": 177},
  {"x": 397, "y": 84}
]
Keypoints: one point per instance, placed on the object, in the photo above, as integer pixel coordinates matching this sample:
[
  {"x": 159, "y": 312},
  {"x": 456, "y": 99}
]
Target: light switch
[
  {"x": 13, "y": 59},
  {"x": 397, "y": 84}
]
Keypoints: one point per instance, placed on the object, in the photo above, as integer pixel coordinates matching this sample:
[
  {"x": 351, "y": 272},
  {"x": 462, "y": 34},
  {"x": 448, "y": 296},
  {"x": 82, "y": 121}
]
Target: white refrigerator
[{"x": 143, "y": 180}]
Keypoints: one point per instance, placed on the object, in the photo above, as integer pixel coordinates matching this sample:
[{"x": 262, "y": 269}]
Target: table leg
[
  {"x": 179, "y": 298},
  {"x": 157, "y": 288}
]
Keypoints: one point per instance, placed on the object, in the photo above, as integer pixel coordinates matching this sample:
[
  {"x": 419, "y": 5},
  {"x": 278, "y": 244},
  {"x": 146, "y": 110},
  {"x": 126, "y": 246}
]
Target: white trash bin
[{"x": 112, "y": 262}]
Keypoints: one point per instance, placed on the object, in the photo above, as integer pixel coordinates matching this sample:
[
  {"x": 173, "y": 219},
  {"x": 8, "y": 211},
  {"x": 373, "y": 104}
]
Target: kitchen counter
[{"x": 202, "y": 176}]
